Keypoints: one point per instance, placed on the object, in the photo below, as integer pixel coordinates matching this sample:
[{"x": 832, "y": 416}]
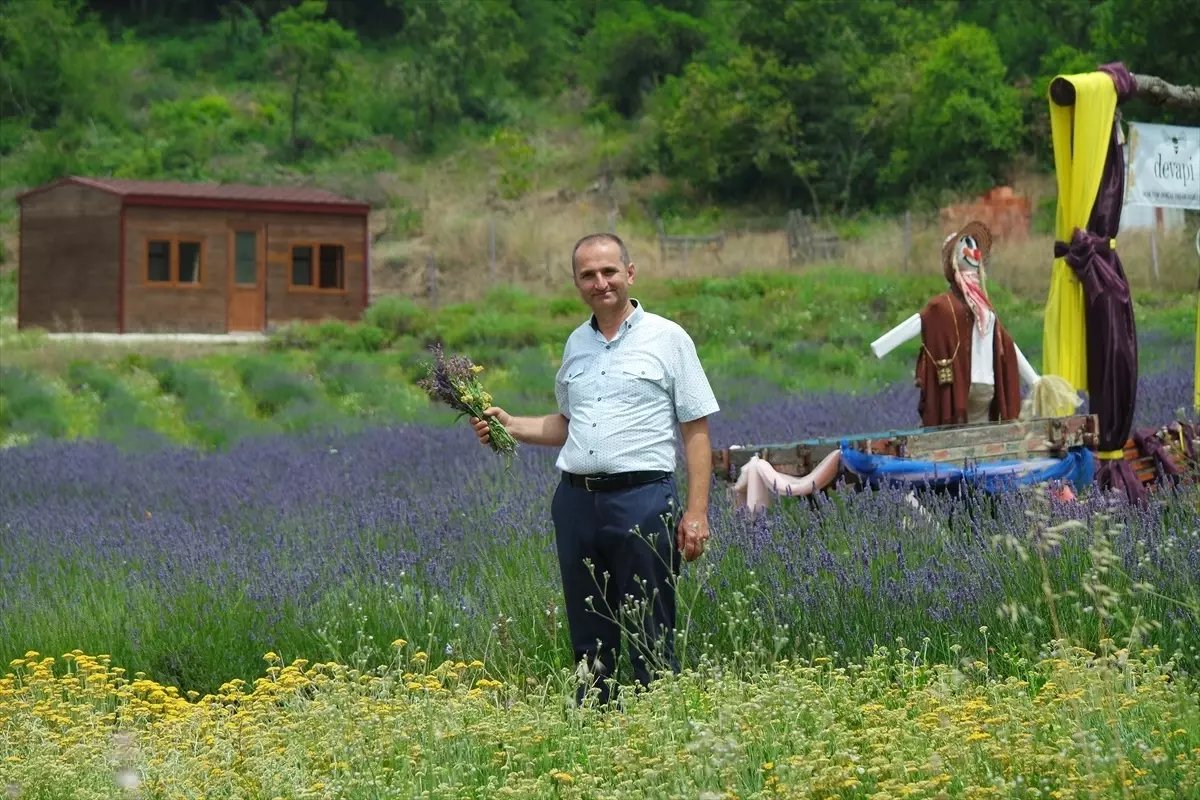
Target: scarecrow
[{"x": 969, "y": 369}]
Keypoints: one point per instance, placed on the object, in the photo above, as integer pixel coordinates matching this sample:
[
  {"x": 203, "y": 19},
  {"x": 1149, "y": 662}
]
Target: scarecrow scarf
[{"x": 968, "y": 277}]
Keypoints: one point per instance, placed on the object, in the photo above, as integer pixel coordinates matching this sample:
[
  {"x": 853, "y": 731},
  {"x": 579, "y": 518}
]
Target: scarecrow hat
[{"x": 982, "y": 236}]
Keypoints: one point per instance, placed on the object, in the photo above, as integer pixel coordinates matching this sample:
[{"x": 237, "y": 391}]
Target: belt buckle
[{"x": 587, "y": 483}]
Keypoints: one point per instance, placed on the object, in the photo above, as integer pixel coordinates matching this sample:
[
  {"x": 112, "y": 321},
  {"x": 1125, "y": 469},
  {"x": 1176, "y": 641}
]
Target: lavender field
[{"x": 190, "y": 566}]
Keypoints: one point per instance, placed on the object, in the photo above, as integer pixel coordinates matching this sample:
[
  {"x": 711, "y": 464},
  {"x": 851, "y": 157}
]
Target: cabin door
[{"x": 247, "y": 279}]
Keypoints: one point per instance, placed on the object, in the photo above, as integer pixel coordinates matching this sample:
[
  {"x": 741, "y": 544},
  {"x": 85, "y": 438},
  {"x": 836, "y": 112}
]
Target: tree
[
  {"x": 633, "y": 47},
  {"x": 56, "y": 67},
  {"x": 460, "y": 53},
  {"x": 1152, "y": 37},
  {"x": 308, "y": 53},
  {"x": 731, "y": 128},
  {"x": 965, "y": 122}
]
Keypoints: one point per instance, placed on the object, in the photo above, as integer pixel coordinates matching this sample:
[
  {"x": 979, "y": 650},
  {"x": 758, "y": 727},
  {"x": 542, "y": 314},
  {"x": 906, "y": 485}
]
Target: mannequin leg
[{"x": 759, "y": 481}]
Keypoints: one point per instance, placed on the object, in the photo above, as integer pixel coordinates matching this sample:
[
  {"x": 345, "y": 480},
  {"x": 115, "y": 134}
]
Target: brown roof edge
[{"x": 214, "y": 195}]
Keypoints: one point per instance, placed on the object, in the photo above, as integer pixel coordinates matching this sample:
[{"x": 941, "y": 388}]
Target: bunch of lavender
[{"x": 455, "y": 382}]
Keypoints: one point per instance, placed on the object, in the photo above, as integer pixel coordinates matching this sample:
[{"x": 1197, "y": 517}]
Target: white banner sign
[{"x": 1164, "y": 166}]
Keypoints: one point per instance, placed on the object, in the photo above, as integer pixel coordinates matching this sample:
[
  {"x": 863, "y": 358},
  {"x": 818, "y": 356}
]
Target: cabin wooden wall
[
  {"x": 69, "y": 245},
  {"x": 203, "y": 308}
]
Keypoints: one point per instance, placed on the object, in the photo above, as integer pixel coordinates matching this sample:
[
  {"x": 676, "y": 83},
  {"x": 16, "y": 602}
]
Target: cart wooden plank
[{"x": 1023, "y": 439}]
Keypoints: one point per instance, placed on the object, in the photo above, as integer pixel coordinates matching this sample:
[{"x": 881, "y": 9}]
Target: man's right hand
[{"x": 481, "y": 426}]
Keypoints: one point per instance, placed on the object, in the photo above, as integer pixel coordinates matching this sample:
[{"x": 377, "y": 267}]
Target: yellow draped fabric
[{"x": 1081, "y": 135}]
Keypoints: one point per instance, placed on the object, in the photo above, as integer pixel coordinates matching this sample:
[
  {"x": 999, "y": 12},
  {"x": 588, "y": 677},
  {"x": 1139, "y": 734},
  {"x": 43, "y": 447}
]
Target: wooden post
[
  {"x": 1150, "y": 88},
  {"x": 907, "y": 238},
  {"x": 431, "y": 280},
  {"x": 1154, "y": 242},
  {"x": 492, "y": 249},
  {"x": 612, "y": 220}
]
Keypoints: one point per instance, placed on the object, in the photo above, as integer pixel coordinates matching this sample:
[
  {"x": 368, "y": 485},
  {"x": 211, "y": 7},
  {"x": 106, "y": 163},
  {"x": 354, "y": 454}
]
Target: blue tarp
[{"x": 1077, "y": 466}]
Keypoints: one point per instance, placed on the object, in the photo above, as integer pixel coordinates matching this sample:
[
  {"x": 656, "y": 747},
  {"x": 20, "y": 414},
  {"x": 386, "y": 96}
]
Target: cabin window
[
  {"x": 158, "y": 262},
  {"x": 245, "y": 271},
  {"x": 302, "y": 271},
  {"x": 330, "y": 276},
  {"x": 173, "y": 261},
  {"x": 189, "y": 262},
  {"x": 319, "y": 266}
]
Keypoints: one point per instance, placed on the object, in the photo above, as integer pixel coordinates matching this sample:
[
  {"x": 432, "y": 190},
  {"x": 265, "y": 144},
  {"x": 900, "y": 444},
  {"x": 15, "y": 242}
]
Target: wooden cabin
[{"x": 109, "y": 255}]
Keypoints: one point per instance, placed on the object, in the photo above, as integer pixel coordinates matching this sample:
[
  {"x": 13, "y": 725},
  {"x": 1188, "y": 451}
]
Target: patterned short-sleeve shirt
[{"x": 624, "y": 398}]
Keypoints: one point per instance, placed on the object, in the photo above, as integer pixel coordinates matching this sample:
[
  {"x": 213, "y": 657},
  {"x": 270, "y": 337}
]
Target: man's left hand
[{"x": 692, "y": 535}]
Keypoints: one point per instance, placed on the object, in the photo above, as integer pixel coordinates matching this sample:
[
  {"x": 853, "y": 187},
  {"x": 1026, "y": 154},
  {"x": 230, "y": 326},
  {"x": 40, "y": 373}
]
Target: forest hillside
[{"x": 690, "y": 112}]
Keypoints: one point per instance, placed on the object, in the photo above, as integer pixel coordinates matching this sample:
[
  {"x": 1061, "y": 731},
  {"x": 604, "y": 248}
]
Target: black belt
[{"x": 616, "y": 480}]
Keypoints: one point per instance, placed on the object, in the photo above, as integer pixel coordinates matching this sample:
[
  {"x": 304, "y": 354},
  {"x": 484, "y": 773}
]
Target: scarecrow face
[{"x": 967, "y": 254}]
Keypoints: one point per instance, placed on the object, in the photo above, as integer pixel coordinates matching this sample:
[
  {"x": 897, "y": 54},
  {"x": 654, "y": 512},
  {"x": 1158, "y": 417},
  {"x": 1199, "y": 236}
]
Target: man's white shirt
[{"x": 624, "y": 398}]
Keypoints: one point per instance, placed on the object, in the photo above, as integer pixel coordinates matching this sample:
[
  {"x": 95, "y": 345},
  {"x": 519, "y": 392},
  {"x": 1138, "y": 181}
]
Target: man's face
[{"x": 603, "y": 282}]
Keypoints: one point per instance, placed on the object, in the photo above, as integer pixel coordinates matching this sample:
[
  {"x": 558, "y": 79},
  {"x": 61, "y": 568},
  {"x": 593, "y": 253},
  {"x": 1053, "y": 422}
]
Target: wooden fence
[{"x": 807, "y": 243}]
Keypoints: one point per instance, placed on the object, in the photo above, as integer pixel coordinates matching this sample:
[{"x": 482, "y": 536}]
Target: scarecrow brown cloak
[{"x": 947, "y": 404}]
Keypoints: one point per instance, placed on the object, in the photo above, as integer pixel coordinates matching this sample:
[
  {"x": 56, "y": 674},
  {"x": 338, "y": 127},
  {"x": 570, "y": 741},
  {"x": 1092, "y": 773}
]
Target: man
[
  {"x": 969, "y": 368},
  {"x": 628, "y": 377}
]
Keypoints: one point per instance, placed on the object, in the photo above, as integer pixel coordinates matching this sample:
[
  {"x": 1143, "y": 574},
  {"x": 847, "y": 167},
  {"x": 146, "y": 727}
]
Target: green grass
[{"x": 806, "y": 332}]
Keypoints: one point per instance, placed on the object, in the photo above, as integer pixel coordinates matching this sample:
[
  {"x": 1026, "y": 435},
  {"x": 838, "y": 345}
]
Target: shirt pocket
[
  {"x": 576, "y": 380},
  {"x": 639, "y": 379}
]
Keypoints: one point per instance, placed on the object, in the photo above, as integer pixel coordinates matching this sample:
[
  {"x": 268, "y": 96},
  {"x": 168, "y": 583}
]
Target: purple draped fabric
[
  {"x": 1112, "y": 352},
  {"x": 1148, "y": 444}
]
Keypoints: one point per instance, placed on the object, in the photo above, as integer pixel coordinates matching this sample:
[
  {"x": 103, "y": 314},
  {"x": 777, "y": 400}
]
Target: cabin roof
[{"x": 215, "y": 195}]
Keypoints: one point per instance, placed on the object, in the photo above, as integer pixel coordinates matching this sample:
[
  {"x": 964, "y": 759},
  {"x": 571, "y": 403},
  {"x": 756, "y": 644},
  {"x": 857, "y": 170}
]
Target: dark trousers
[{"x": 627, "y": 537}]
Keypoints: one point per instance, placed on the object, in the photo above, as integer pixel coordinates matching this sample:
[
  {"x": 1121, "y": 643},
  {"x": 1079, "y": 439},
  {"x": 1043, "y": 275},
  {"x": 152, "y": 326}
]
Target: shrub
[
  {"x": 397, "y": 315},
  {"x": 210, "y": 416},
  {"x": 27, "y": 405},
  {"x": 122, "y": 418}
]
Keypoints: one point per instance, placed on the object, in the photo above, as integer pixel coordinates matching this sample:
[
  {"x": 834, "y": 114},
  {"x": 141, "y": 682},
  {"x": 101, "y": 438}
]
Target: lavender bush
[{"x": 190, "y": 566}]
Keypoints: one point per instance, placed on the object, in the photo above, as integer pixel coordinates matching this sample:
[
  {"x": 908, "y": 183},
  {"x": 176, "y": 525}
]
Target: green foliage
[
  {"x": 805, "y": 332},
  {"x": 207, "y": 410},
  {"x": 965, "y": 122},
  {"x": 462, "y": 52},
  {"x": 306, "y": 50},
  {"x": 514, "y": 159},
  {"x": 1152, "y": 37},
  {"x": 56, "y": 65},
  {"x": 397, "y": 315},
  {"x": 831, "y": 108},
  {"x": 27, "y": 405},
  {"x": 331, "y": 335},
  {"x": 731, "y": 126},
  {"x": 634, "y": 46},
  {"x": 121, "y": 418},
  {"x": 8, "y": 289}
]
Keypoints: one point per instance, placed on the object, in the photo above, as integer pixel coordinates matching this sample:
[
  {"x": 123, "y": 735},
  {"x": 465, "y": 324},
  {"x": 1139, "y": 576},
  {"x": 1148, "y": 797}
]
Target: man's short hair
[{"x": 600, "y": 237}]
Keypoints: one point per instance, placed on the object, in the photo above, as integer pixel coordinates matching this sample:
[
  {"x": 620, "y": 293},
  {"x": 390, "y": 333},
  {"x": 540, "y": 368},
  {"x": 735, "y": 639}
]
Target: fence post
[
  {"x": 431, "y": 279},
  {"x": 907, "y": 237},
  {"x": 492, "y": 250},
  {"x": 612, "y": 220},
  {"x": 1154, "y": 250}
]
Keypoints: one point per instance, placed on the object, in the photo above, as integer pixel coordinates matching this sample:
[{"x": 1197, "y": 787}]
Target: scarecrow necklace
[{"x": 945, "y": 373}]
